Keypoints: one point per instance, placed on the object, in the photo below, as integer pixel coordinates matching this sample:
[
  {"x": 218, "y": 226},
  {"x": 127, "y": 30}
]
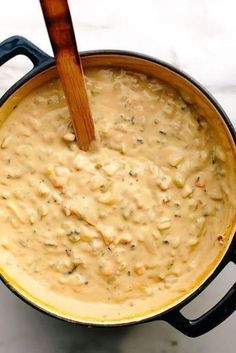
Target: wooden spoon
[{"x": 60, "y": 29}]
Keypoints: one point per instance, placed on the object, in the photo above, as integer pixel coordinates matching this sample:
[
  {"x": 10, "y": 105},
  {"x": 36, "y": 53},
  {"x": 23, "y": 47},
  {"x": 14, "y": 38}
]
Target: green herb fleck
[
  {"x": 140, "y": 140},
  {"x": 133, "y": 174},
  {"x": 74, "y": 267},
  {"x": 162, "y": 132}
]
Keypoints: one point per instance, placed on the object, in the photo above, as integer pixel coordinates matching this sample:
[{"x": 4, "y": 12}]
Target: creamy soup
[{"x": 128, "y": 227}]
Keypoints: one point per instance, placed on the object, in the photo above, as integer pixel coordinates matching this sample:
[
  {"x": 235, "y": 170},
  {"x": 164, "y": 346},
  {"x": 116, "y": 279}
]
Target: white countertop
[{"x": 199, "y": 38}]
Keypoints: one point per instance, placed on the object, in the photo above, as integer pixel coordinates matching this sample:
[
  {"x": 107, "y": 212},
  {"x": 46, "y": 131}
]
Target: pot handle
[
  {"x": 212, "y": 318},
  {"x": 18, "y": 45}
]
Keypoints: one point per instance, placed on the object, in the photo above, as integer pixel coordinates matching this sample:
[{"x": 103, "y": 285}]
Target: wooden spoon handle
[{"x": 62, "y": 37}]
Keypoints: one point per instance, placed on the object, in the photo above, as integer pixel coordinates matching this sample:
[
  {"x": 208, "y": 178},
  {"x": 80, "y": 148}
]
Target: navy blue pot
[{"x": 41, "y": 62}]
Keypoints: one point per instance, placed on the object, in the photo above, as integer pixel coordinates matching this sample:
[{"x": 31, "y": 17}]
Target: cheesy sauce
[{"x": 131, "y": 225}]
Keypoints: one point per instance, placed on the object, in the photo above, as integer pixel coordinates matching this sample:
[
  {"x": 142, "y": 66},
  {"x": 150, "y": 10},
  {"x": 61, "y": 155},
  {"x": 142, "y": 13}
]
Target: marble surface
[{"x": 199, "y": 38}]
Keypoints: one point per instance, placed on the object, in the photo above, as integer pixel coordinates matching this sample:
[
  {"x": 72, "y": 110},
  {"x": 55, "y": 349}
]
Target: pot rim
[{"x": 48, "y": 63}]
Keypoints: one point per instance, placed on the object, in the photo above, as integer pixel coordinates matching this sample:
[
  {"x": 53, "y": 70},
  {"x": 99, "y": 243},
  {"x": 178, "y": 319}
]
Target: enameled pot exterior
[{"x": 42, "y": 62}]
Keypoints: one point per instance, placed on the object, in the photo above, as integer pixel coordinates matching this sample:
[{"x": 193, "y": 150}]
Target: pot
[{"x": 43, "y": 70}]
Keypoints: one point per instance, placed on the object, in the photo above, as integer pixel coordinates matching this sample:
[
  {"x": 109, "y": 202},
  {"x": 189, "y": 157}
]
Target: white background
[{"x": 196, "y": 36}]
